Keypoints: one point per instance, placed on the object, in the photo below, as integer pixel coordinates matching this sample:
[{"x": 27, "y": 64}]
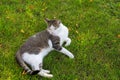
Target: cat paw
[
  {"x": 46, "y": 71},
  {"x": 71, "y": 56},
  {"x": 68, "y": 41},
  {"x": 48, "y": 75},
  {"x": 41, "y": 73}
]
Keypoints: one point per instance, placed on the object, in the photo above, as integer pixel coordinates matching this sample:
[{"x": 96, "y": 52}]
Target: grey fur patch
[
  {"x": 35, "y": 44},
  {"x": 56, "y": 42}
]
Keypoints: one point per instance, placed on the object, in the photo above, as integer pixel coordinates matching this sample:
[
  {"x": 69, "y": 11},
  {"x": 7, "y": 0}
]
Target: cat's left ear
[
  {"x": 47, "y": 20},
  {"x": 59, "y": 21}
]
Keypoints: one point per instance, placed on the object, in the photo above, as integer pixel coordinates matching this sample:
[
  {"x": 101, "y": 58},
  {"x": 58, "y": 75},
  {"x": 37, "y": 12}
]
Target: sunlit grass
[{"x": 94, "y": 27}]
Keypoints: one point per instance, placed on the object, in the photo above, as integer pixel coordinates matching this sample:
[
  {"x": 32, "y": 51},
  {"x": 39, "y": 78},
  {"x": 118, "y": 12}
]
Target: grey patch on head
[{"x": 53, "y": 22}]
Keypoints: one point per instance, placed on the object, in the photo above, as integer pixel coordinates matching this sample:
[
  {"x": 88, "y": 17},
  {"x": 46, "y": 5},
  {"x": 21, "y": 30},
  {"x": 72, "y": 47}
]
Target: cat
[{"x": 31, "y": 54}]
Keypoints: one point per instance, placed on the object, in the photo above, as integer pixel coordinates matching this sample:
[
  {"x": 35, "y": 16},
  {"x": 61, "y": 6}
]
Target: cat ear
[
  {"x": 58, "y": 21},
  {"x": 47, "y": 20}
]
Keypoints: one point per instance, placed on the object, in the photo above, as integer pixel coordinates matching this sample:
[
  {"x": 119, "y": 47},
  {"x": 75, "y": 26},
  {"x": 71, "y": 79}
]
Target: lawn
[{"x": 94, "y": 27}]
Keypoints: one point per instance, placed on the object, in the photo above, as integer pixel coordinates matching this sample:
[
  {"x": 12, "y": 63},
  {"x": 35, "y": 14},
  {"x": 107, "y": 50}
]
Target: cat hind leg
[
  {"x": 46, "y": 71},
  {"x": 41, "y": 73},
  {"x": 34, "y": 72},
  {"x": 35, "y": 69}
]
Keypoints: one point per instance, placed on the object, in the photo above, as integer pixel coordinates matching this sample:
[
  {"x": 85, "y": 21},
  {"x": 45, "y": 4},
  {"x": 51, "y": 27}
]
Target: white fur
[
  {"x": 35, "y": 59},
  {"x": 68, "y": 41},
  {"x": 66, "y": 52},
  {"x": 46, "y": 71},
  {"x": 34, "y": 36},
  {"x": 62, "y": 32},
  {"x": 42, "y": 73}
]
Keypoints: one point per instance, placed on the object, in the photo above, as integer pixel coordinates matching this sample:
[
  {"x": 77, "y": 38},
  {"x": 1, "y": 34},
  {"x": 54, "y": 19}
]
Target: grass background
[{"x": 94, "y": 27}]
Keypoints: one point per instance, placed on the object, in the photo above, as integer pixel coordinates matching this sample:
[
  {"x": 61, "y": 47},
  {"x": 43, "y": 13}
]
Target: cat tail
[{"x": 24, "y": 65}]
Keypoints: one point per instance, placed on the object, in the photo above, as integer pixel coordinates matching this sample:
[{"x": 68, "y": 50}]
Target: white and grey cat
[{"x": 33, "y": 51}]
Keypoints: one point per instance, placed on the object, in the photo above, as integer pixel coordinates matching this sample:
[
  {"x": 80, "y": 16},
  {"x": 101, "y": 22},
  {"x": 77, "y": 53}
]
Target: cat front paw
[
  {"x": 71, "y": 56},
  {"x": 68, "y": 41}
]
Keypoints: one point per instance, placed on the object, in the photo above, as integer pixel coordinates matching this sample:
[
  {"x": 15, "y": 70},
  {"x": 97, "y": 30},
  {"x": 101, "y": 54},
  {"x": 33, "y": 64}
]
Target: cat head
[{"x": 53, "y": 25}]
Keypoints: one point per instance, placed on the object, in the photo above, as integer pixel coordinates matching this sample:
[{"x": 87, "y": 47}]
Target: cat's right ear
[{"x": 47, "y": 20}]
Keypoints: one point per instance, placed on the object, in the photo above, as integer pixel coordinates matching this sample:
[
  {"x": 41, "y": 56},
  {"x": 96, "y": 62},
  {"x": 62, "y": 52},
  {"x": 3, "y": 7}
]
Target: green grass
[{"x": 94, "y": 27}]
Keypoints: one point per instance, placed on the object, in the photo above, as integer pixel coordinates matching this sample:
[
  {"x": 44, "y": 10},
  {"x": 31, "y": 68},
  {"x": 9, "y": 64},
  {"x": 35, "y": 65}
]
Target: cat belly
[{"x": 35, "y": 59}]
